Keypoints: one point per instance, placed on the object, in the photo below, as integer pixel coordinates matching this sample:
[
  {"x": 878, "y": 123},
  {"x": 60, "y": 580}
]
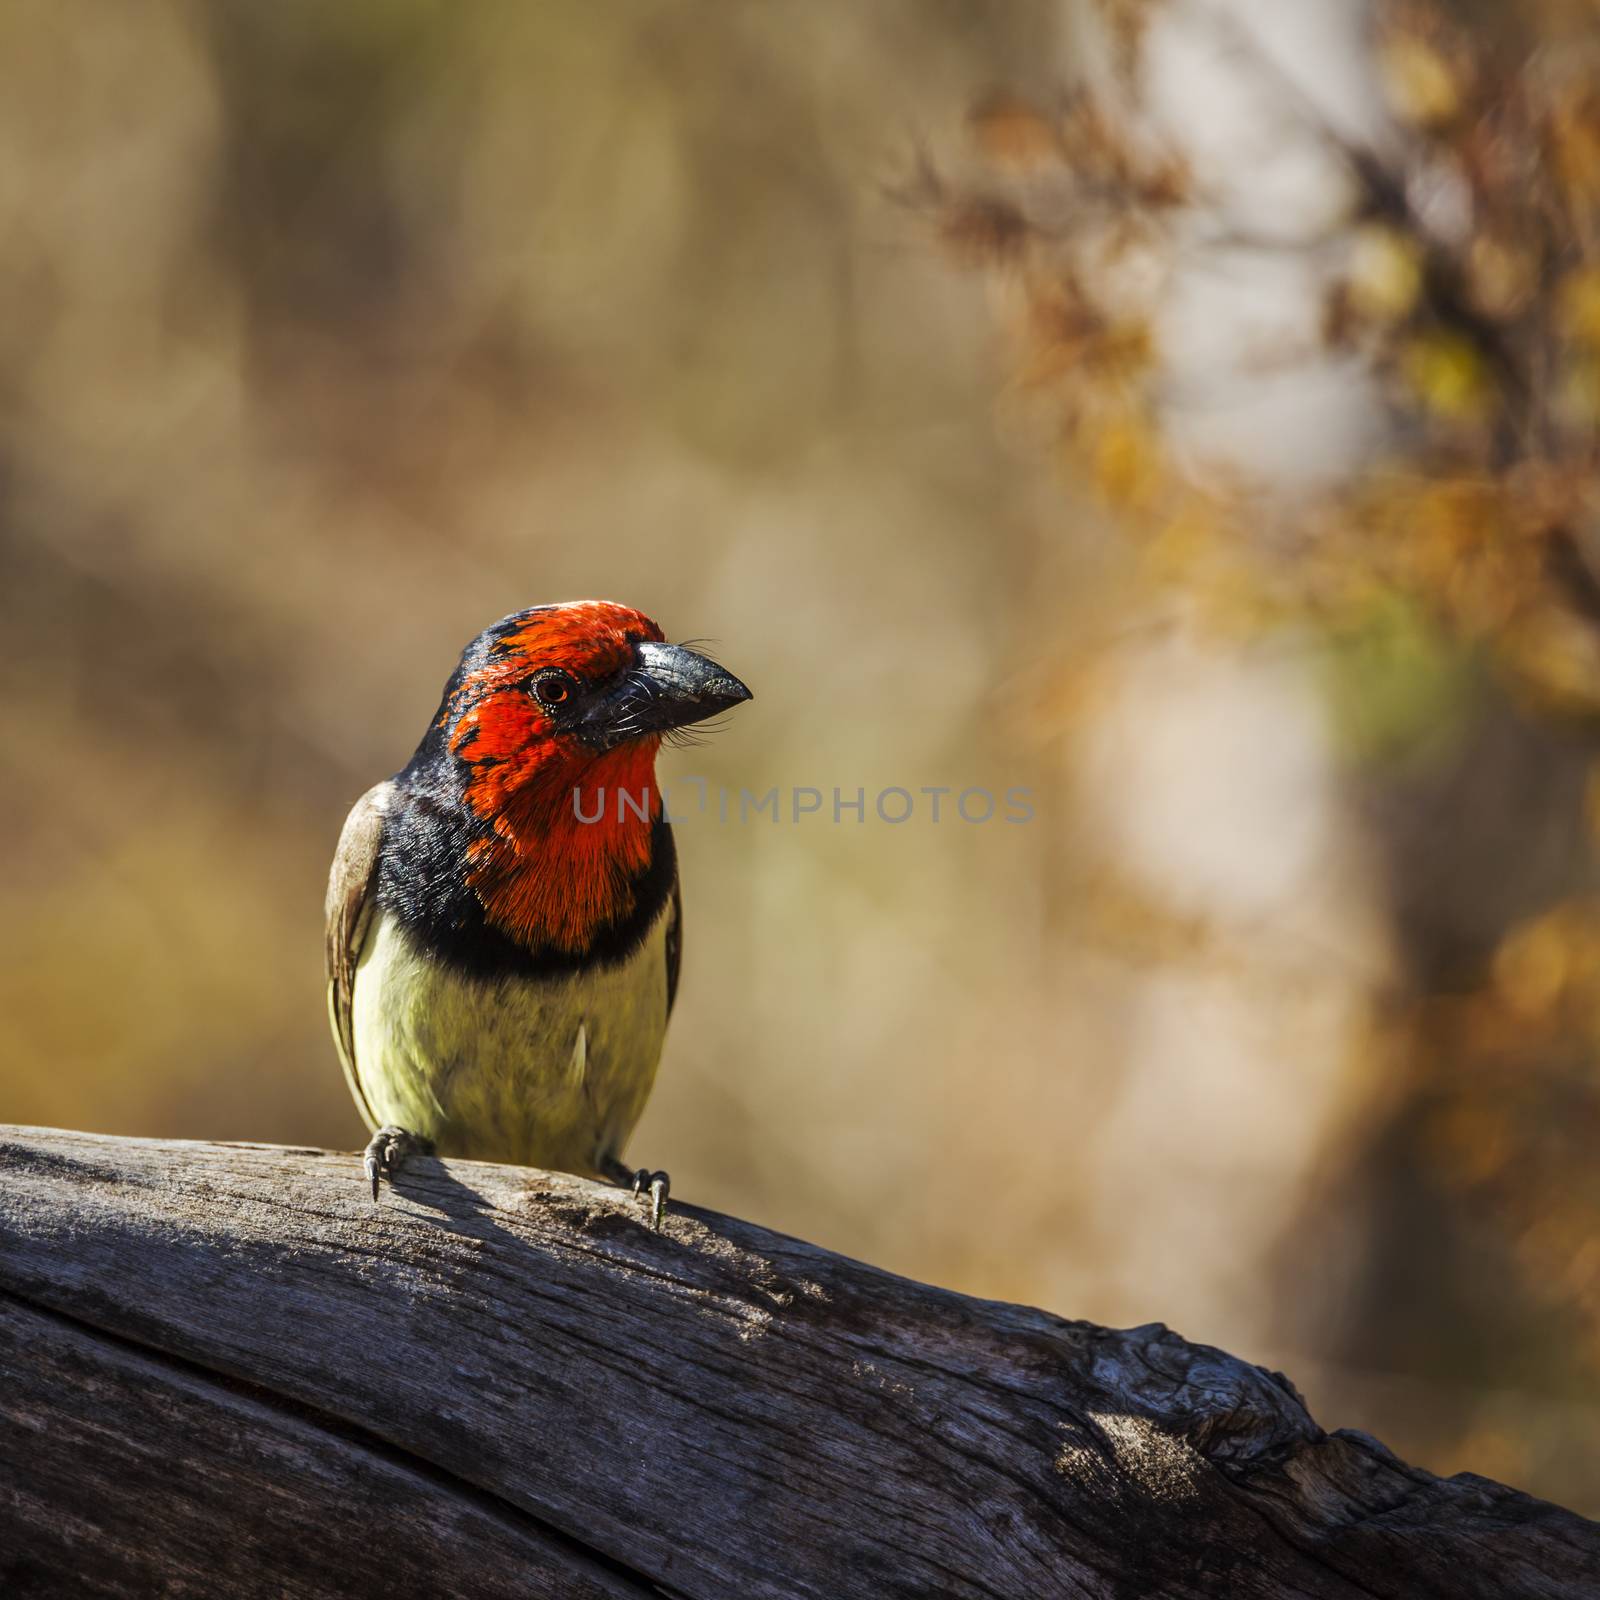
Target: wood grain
[{"x": 226, "y": 1372}]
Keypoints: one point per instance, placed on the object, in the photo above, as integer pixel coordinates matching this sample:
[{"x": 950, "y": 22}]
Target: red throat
[
  {"x": 556, "y": 866},
  {"x": 570, "y": 829}
]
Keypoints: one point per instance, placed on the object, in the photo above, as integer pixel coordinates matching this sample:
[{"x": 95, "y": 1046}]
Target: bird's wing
[
  {"x": 349, "y": 915},
  {"x": 674, "y": 944}
]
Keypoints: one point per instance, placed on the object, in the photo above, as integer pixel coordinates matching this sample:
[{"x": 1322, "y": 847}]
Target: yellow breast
[{"x": 542, "y": 1072}]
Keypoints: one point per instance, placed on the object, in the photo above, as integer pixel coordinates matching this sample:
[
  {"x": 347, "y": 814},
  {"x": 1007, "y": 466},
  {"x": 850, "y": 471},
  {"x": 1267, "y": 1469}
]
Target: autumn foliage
[{"x": 1457, "y": 565}]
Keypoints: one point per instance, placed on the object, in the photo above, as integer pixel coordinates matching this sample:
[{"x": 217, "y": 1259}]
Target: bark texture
[{"x": 224, "y": 1371}]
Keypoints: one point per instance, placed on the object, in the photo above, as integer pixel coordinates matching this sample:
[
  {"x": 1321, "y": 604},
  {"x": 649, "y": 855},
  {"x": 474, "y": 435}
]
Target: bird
[{"x": 504, "y": 921}]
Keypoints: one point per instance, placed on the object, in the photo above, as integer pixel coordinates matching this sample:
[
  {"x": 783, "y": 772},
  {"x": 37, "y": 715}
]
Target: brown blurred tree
[{"x": 1445, "y": 569}]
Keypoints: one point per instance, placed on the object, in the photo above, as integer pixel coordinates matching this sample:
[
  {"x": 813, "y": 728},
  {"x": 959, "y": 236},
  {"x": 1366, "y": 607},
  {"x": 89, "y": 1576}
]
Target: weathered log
[{"x": 225, "y": 1372}]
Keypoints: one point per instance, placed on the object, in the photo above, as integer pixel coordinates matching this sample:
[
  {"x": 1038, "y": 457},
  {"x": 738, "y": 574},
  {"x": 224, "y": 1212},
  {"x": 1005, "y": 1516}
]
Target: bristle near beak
[{"x": 667, "y": 687}]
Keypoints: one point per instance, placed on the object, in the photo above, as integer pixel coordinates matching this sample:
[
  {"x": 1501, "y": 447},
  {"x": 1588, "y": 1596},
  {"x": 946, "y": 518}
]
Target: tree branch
[{"x": 227, "y": 1372}]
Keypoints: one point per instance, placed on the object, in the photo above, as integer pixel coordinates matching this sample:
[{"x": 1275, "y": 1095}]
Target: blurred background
[{"x": 1186, "y": 411}]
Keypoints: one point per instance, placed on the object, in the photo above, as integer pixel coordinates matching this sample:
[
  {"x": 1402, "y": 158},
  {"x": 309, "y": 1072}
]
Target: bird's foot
[
  {"x": 643, "y": 1181},
  {"x": 387, "y": 1151},
  {"x": 658, "y": 1186}
]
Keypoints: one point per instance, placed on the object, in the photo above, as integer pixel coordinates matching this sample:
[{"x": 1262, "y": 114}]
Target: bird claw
[
  {"x": 387, "y": 1151},
  {"x": 658, "y": 1186},
  {"x": 643, "y": 1181}
]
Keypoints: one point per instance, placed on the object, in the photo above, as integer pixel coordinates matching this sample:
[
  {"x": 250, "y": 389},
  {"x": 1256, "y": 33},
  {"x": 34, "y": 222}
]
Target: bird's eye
[{"x": 552, "y": 688}]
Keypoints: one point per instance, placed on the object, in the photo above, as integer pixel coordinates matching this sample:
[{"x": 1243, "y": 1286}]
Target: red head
[{"x": 548, "y": 708}]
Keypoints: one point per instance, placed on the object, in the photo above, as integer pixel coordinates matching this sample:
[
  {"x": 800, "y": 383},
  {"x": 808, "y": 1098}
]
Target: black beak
[{"x": 666, "y": 687}]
